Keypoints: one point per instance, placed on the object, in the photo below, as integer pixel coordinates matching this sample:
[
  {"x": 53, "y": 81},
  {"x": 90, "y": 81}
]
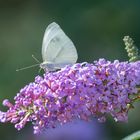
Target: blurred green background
[{"x": 96, "y": 28}]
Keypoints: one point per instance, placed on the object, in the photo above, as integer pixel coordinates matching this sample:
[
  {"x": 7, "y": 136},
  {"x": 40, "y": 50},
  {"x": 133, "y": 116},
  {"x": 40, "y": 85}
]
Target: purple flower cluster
[{"x": 78, "y": 91}]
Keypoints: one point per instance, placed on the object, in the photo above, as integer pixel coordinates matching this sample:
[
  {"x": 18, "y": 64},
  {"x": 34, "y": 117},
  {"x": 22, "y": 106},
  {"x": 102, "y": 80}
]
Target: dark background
[{"x": 96, "y": 28}]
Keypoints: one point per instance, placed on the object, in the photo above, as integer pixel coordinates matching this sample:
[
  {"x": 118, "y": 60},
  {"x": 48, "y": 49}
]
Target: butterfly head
[{"x": 47, "y": 66}]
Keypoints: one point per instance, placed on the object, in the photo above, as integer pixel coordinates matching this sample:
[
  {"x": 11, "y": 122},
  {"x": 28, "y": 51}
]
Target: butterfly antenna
[
  {"x": 27, "y": 67},
  {"x": 35, "y": 59}
]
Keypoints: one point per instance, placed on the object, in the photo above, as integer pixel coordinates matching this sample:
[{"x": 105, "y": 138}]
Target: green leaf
[{"x": 134, "y": 136}]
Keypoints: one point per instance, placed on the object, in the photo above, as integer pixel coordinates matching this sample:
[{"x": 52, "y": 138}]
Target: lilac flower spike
[{"x": 79, "y": 91}]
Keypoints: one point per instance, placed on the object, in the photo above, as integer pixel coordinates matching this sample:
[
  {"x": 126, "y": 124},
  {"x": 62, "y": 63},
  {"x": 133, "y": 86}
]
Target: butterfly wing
[{"x": 57, "y": 48}]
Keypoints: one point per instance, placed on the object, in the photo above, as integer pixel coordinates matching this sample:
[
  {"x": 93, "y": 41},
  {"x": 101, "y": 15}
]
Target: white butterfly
[{"x": 57, "y": 49}]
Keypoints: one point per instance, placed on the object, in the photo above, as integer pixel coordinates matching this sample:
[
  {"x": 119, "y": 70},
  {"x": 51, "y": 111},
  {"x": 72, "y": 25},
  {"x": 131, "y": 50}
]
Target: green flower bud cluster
[{"x": 131, "y": 49}]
